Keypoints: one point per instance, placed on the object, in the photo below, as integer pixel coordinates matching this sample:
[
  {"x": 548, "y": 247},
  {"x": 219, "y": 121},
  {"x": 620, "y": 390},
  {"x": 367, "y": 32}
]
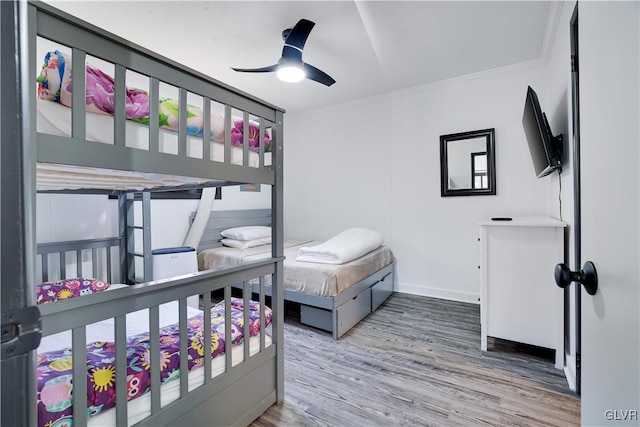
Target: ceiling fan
[{"x": 290, "y": 67}]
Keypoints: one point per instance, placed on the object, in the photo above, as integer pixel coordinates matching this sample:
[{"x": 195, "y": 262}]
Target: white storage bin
[{"x": 170, "y": 262}]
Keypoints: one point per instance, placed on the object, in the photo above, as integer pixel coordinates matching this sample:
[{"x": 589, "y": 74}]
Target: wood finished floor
[{"x": 417, "y": 361}]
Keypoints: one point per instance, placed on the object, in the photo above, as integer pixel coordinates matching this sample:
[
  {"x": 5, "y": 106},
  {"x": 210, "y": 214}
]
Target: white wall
[
  {"x": 61, "y": 217},
  {"x": 375, "y": 163}
]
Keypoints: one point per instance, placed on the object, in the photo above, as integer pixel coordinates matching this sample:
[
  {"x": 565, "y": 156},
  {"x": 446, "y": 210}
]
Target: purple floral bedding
[
  {"x": 68, "y": 288},
  {"x": 54, "y": 369},
  {"x": 54, "y": 84}
]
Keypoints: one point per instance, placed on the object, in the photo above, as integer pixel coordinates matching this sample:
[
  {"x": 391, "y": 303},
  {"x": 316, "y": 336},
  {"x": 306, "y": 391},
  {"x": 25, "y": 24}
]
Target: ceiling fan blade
[
  {"x": 291, "y": 54},
  {"x": 318, "y": 75},
  {"x": 298, "y": 35},
  {"x": 268, "y": 69}
]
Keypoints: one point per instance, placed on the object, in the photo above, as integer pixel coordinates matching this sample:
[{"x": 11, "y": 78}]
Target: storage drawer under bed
[
  {"x": 348, "y": 314},
  {"x": 381, "y": 291}
]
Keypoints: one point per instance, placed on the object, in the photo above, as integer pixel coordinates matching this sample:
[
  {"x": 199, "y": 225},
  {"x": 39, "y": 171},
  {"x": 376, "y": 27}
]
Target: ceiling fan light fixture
[
  {"x": 290, "y": 73},
  {"x": 290, "y": 67}
]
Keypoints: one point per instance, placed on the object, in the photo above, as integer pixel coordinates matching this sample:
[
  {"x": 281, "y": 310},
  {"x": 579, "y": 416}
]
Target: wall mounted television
[{"x": 546, "y": 149}]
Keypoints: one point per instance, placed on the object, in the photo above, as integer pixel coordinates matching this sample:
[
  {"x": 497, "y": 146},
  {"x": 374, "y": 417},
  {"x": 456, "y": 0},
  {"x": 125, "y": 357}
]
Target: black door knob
[{"x": 587, "y": 276}]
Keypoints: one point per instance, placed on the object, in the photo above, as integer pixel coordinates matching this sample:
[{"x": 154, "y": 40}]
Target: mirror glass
[{"x": 467, "y": 163}]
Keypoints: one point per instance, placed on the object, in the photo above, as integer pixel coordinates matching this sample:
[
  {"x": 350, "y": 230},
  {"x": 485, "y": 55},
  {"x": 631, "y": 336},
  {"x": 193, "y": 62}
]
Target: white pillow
[
  {"x": 249, "y": 232},
  {"x": 244, "y": 244}
]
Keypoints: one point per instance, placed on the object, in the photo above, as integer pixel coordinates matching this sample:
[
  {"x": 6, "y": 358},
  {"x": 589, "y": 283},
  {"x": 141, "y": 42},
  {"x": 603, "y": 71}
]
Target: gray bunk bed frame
[
  {"x": 337, "y": 313},
  {"x": 242, "y": 392}
]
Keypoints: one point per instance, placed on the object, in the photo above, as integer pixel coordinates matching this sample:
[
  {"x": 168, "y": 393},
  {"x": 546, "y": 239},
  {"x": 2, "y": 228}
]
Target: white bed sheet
[
  {"x": 138, "y": 322},
  {"x": 55, "y": 119},
  {"x": 324, "y": 280}
]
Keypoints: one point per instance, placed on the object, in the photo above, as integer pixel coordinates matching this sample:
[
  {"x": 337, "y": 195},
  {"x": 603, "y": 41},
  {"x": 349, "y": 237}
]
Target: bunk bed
[
  {"x": 39, "y": 159},
  {"x": 332, "y": 297}
]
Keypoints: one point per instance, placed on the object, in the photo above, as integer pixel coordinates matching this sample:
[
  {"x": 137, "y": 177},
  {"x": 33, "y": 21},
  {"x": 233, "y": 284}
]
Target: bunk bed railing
[
  {"x": 101, "y": 255},
  {"x": 82, "y": 40},
  {"x": 97, "y": 307},
  {"x": 76, "y": 314},
  {"x": 51, "y": 149}
]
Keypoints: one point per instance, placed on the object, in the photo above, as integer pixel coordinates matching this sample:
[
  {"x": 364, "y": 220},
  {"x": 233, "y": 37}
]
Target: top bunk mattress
[{"x": 324, "y": 280}]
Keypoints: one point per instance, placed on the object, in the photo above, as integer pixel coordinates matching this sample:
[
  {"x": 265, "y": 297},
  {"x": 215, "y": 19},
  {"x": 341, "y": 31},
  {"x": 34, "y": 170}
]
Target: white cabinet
[{"x": 519, "y": 300}]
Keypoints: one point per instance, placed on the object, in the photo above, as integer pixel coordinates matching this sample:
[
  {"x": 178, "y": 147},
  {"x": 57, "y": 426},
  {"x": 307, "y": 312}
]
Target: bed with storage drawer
[
  {"x": 333, "y": 297},
  {"x": 46, "y": 346}
]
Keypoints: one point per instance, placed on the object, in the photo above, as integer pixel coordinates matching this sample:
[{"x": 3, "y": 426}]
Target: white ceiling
[{"x": 368, "y": 47}]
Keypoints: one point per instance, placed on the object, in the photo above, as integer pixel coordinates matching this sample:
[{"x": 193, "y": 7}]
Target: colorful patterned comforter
[
  {"x": 54, "y": 84},
  {"x": 54, "y": 372}
]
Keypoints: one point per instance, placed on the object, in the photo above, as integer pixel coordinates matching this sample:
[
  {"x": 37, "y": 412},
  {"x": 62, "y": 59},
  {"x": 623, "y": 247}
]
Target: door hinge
[
  {"x": 578, "y": 362},
  {"x": 574, "y": 64},
  {"x": 21, "y": 331}
]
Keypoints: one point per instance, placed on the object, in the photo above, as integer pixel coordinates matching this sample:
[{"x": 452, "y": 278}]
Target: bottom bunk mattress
[
  {"x": 324, "y": 280},
  {"x": 54, "y": 362}
]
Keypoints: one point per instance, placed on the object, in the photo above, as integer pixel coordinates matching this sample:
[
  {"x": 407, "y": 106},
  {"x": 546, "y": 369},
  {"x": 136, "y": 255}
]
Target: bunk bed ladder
[{"x": 133, "y": 251}]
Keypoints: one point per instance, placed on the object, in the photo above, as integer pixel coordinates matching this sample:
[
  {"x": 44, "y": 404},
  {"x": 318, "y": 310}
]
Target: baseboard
[
  {"x": 437, "y": 293},
  {"x": 570, "y": 373}
]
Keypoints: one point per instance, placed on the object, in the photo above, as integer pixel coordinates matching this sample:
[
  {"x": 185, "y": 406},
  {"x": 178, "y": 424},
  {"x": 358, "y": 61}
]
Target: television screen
[{"x": 546, "y": 150}]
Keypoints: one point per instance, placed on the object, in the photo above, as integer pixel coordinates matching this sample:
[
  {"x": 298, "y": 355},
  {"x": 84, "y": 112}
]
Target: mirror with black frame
[{"x": 467, "y": 163}]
